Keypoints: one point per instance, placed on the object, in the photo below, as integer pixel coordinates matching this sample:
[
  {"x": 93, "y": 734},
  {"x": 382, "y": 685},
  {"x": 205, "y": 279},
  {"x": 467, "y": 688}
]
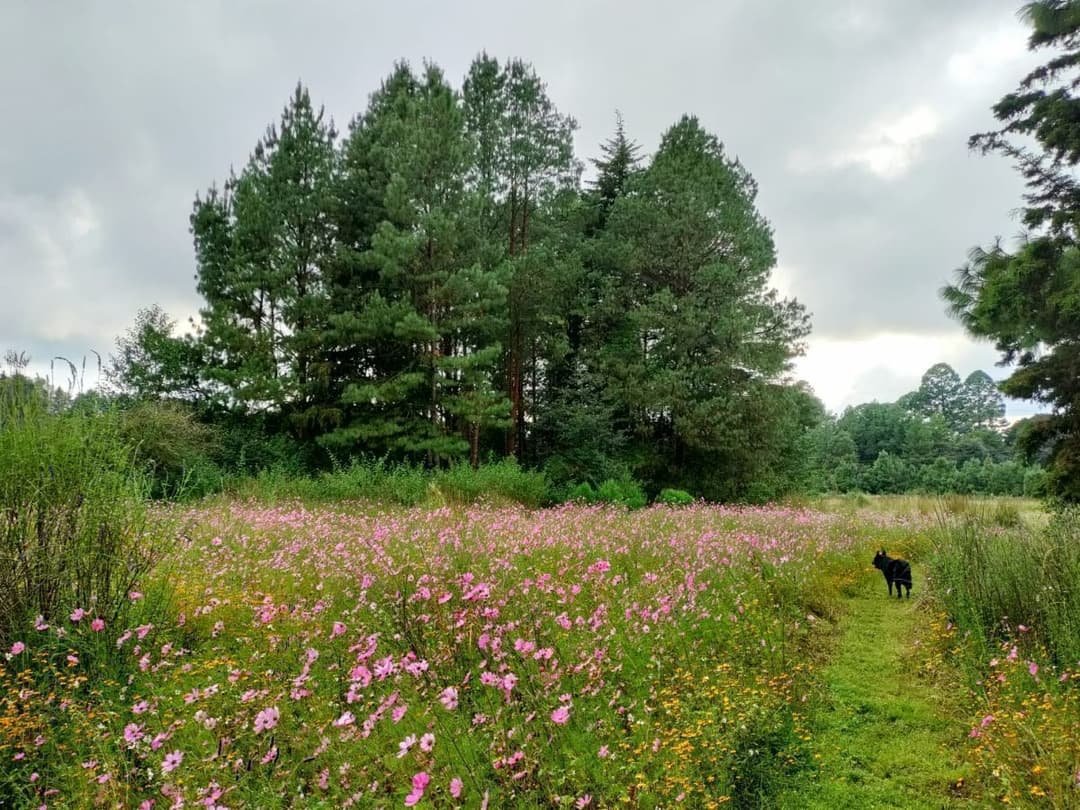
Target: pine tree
[{"x": 262, "y": 249}]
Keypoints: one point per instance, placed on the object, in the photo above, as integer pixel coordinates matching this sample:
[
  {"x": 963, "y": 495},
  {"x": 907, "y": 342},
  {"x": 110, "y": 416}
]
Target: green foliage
[
  {"x": 174, "y": 449},
  {"x": 73, "y": 533},
  {"x": 675, "y": 497},
  {"x": 994, "y": 581},
  {"x": 502, "y": 480},
  {"x": 622, "y": 492},
  {"x": 1027, "y": 301},
  {"x": 581, "y": 493},
  {"x": 381, "y": 481}
]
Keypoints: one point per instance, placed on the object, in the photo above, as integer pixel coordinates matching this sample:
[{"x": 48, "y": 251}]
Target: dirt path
[{"x": 887, "y": 740}]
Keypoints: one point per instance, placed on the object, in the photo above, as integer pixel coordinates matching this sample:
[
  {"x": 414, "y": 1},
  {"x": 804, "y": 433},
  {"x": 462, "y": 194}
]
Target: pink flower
[
  {"x": 172, "y": 761},
  {"x": 583, "y": 802},
  {"x": 17, "y": 648},
  {"x": 1033, "y": 668},
  {"x": 134, "y": 596},
  {"x": 560, "y": 715},
  {"x": 603, "y": 753},
  {"x": 399, "y": 712},
  {"x": 405, "y": 745},
  {"x": 419, "y": 784},
  {"x": 455, "y": 787},
  {"x": 78, "y": 615},
  {"x": 347, "y": 719},
  {"x": 39, "y": 624},
  {"x": 266, "y": 719},
  {"x": 97, "y": 625},
  {"x": 338, "y": 630},
  {"x": 132, "y": 733},
  {"x": 140, "y": 707},
  {"x": 105, "y": 777},
  {"x": 427, "y": 742},
  {"x": 449, "y": 698}
]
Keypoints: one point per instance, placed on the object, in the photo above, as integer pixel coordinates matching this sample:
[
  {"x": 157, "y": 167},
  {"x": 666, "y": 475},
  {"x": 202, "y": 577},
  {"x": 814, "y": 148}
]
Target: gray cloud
[{"x": 850, "y": 114}]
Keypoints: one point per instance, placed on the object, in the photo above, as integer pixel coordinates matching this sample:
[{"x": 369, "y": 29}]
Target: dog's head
[{"x": 879, "y": 560}]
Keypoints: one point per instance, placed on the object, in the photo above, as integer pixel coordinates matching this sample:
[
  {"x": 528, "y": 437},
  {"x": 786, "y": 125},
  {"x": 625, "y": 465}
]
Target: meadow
[
  {"x": 279, "y": 654},
  {"x": 344, "y": 656}
]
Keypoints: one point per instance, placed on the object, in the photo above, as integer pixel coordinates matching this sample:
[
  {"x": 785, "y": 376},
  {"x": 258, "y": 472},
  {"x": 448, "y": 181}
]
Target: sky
[{"x": 853, "y": 116}]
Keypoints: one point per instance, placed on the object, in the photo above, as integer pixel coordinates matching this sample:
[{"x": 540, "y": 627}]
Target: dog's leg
[{"x": 889, "y": 581}]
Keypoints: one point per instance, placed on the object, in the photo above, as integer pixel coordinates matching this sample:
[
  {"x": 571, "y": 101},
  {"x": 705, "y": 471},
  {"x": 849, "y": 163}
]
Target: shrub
[
  {"x": 581, "y": 493},
  {"x": 675, "y": 497},
  {"x": 503, "y": 480},
  {"x": 173, "y": 447},
  {"x": 74, "y": 514},
  {"x": 623, "y": 492}
]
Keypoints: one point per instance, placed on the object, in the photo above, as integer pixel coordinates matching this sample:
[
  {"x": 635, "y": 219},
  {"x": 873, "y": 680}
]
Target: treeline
[
  {"x": 947, "y": 436},
  {"x": 436, "y": 286}
]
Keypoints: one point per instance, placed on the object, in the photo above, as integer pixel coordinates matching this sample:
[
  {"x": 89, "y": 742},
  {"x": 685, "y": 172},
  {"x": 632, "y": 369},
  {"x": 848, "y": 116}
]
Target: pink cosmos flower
[
  {"x": 405, "y": 745},
  {"x": 419, "y": 785},
  {"x": 427, "y": 742},
  {"x": 132, "y": 733},
  {"x": 140, "y": 707},
  {"x": 134, "y": 596},
  {"x": 399, "y": 712},
  {"x": 172, "y": 761},
  {"x": 603, "y": 753},
  {"x": 78, "y": 615},
  {"x": 1033, "y": 668},
  {"x": 39, "y": 624},
  {"x": 347, "y": 719},
  {"x": 266, "y": 719},
  {"x": 97, "y": 625},
  {"x": 449, "y": 698},
  {"x": 17, "y": 648},
  {"x": 560, "y": 715},
  {"x": 455, "y": 787},
  {"x": 986, "y": 721},
  {"x": 338, "y": 630}
]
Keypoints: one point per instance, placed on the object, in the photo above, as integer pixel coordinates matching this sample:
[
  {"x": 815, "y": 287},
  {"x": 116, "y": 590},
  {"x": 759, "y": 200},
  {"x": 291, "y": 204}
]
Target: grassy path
[{"x": 887, "y": 740}]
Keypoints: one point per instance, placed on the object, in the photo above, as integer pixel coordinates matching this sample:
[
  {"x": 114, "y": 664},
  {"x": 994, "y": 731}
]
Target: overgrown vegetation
[{"x": 72, "y": 512}]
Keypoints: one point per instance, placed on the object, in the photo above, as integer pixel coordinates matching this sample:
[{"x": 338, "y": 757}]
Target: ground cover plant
[{"x": 460, "y": 656}]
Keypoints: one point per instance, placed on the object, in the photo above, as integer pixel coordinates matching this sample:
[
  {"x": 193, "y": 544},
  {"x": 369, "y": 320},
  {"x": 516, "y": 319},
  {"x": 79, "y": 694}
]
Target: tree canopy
[{"x": 1027, "y": 301}]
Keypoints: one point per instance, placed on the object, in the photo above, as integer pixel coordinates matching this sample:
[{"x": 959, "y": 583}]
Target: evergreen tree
[
  {"x": 697, "y": 337},
  {"x": 1027, "y": 301},
  {"x": 983, "y": 402},
  {"x": 262, "y": 248}
]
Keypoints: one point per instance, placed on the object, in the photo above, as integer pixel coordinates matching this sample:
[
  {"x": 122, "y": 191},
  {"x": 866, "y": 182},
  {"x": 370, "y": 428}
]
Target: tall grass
[
  {"x": 384, "y": 482},
  {"x": 72, "y": 512},
  {"x": 995, "y": 575}
]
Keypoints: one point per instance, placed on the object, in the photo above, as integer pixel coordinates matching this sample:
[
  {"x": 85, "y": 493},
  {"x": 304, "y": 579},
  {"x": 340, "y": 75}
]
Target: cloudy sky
[{"x": 852, "y": 114}]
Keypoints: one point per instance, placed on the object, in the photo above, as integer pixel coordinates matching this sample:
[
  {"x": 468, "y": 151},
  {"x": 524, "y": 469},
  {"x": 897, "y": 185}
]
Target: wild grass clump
[
  {"x": 1011, "y": 595},
  {"x": 503, "y": 480},
  {"x": 73, "y": 513},
  {"x": 384, "y": 482}
]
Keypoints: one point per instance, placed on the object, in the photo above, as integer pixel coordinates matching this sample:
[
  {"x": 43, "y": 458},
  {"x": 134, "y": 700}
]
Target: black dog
[{"x": 898, "y": 571}]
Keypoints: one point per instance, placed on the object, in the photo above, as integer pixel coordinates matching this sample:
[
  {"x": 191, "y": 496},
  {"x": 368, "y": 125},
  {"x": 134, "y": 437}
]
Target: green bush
[
  {"x": 174, "y": 449},
  {"x": 623, "y": 492},
  {"x": 675, "y": 497},
  {"x": 74, "y": 514},
  {"x": 581, "y": 493},
  {"x": 502, "y": 480}
]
